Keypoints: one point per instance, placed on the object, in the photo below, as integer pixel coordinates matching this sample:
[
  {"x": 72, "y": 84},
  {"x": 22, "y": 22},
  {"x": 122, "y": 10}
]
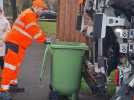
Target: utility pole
[{"x": 13, "y": 4}]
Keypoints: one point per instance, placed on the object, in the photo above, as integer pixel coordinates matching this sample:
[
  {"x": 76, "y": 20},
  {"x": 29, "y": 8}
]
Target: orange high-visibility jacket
[{"x": 25, "y": 29}]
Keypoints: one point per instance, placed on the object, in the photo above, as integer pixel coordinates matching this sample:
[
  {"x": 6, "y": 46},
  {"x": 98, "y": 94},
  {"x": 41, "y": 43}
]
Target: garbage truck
[{"x": 112, "y": 46}]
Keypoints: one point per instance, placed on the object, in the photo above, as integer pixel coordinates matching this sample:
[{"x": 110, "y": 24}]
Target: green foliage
[
  {"x": 27, "y": 4},
  {"x": 84, "y": 86},
  {"x": 48, "y": 27}
]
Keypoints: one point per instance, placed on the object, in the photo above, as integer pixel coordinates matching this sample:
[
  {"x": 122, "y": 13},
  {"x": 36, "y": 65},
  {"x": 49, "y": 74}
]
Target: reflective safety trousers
[{"x": 13, "y": 59}]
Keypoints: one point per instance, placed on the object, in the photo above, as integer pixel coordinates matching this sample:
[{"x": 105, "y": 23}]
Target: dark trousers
[{"x": 1, "y": 62}]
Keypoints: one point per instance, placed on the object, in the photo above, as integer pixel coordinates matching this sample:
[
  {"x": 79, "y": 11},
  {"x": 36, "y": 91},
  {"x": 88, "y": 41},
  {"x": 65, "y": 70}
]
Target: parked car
[{"x": 50, "y": 15}]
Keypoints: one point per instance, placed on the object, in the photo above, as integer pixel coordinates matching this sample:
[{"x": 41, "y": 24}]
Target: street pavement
[{"x": 29, "y": 77}]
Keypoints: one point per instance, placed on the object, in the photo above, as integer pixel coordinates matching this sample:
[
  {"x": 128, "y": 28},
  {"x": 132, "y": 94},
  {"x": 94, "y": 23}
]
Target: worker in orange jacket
[{"x": 23, "y": 31}]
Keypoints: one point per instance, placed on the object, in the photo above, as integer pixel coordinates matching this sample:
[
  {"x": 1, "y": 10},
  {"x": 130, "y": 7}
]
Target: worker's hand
[{"x": 47, "y": 42}]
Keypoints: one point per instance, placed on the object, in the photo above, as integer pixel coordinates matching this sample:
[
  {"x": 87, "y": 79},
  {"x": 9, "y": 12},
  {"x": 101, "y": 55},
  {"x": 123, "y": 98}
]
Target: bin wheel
[
  {"x": 53, "y": 95},
  {"x": 50, "y": 87}
]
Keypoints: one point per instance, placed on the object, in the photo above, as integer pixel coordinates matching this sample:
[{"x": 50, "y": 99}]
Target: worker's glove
[{"x": 47, "y": 42}]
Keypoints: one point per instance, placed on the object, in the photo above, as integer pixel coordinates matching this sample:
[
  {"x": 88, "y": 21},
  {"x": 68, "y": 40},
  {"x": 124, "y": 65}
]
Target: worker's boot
[
  {"x": 4, "y": 95},
  {"x": 16, "y": 89}
]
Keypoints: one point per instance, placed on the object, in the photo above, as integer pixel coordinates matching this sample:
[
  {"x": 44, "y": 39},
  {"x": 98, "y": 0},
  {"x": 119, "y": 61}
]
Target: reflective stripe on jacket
[{"x": 25, "y": 29}]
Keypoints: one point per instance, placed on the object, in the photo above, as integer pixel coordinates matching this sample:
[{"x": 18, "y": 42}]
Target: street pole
[{"x": 13, "y": 4}]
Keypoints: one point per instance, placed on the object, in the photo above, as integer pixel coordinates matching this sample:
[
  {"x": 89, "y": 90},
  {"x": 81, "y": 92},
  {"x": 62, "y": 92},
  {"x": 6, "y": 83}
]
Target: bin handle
[{"x": 43, "y": 65}]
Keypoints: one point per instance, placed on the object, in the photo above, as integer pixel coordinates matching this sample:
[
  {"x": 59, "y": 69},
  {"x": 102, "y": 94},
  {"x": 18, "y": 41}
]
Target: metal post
[
  {"x": 13, "y": 3},
  {"x": 100, "y": 56},
  {"x": 100, "y": 47}
]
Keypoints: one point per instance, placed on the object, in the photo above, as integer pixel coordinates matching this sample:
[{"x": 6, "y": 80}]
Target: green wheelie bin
[{"x": 66, "y": 67}]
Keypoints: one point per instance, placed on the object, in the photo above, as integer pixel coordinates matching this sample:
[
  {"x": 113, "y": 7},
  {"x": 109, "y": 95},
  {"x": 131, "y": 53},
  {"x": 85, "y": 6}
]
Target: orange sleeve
[
  {"x": 33, "y": 28},
  {"x": 37, "y": 34}
]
